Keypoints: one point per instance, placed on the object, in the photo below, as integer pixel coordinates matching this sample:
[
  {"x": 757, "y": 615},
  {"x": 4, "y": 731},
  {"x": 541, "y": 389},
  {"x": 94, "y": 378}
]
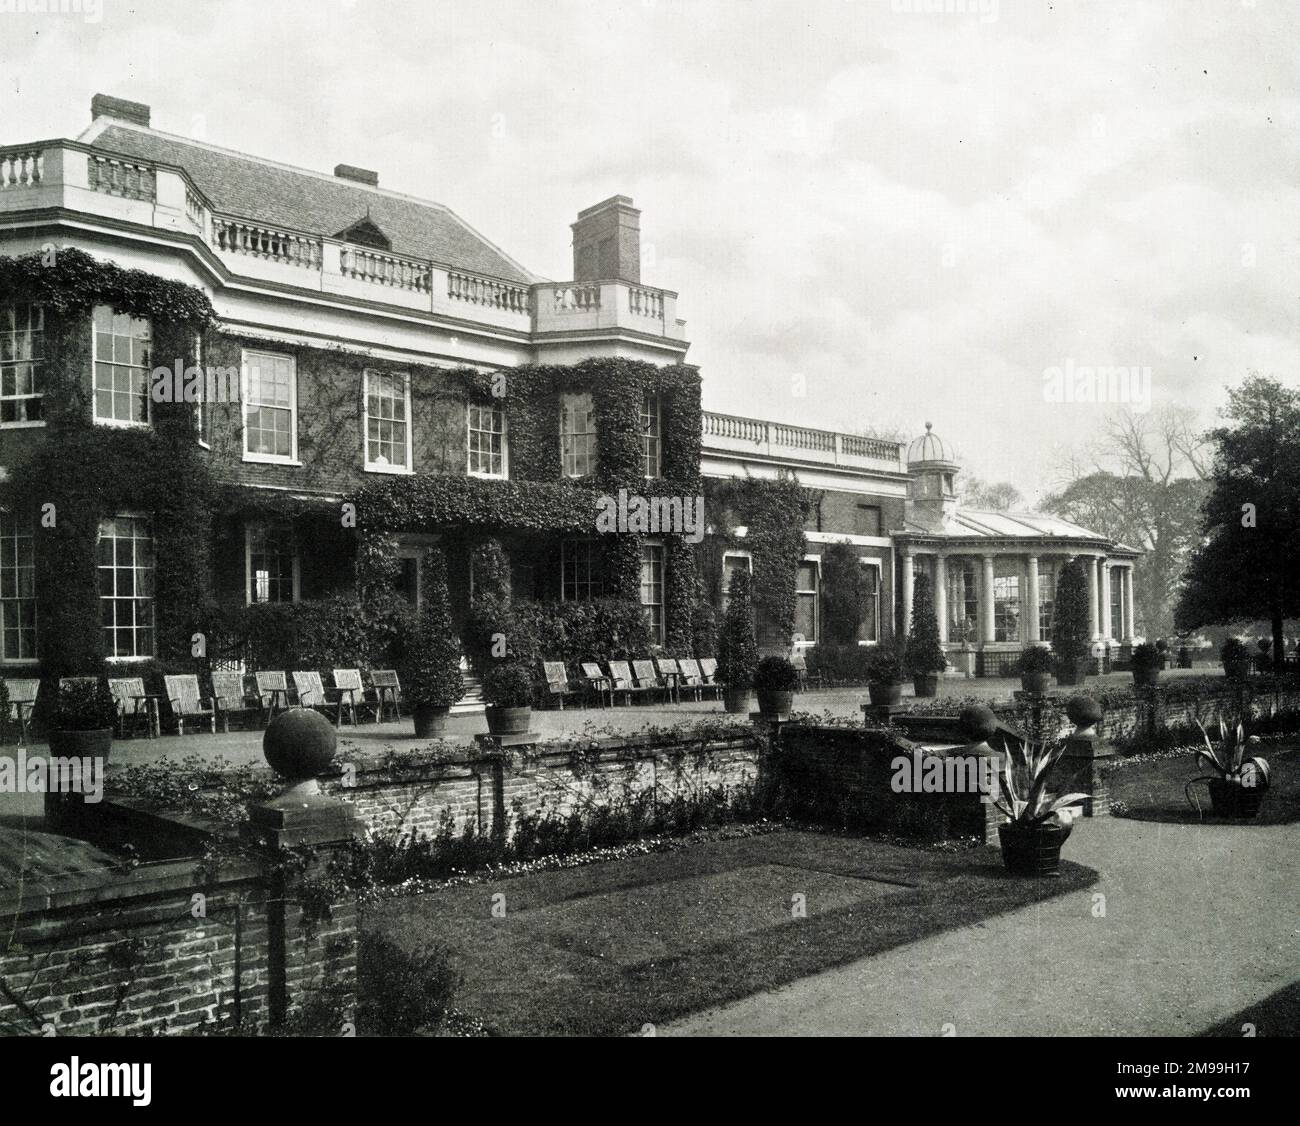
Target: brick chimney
[
  {"x": 104, "y": 105},
  {"x": 607, "y": 242},
  {"x": 360, "y": 175}
]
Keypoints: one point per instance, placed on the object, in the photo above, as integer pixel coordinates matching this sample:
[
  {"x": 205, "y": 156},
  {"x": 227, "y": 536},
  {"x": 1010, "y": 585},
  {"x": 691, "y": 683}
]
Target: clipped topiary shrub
[{"x": 737, "y": 648}]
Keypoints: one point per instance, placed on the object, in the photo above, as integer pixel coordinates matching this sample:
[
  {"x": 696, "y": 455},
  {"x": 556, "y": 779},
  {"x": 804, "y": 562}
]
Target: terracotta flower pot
[
  {"x": 926, "y": 684},
  {"x": 1232, "y": 799},
  {"x": 1032, "y": 850},
  {"x": 1069, "y": 673},
  {"x": 82, "y": 744},
  {"x": 882, "y": 693},
  {"x": 735, "y": 700},
  {"x": 1035, "y": 683},
  {"x": 1146, "y": 677},
  {"x": 430, "y": 720},
  {"x": 508, "y": 721}
]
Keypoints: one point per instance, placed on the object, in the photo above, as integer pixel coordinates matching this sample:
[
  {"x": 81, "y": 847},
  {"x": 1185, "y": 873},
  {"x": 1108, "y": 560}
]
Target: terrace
[{"x": 53, "y": 177}]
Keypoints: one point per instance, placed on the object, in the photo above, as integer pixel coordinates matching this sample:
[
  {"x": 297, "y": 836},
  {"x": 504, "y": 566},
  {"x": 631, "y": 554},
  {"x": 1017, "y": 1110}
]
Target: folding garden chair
[
  {"x": 598, "y": 682},
  {"x": 273, "y": 691},
  {"x": 234, "y": 699},
  {"x": 671, "y": 676},
  {"x": 388, "y": 689},
  {"x": 555, "y": 685},
  {"x": 625, "y": 682},
  {"x": 136, "y": 709},
  {"x": 313, "y": 694},
  {"x": 349, "y": 682},
  {"x": 187, "y": 703},
  {"x": 692, "y": 679},
  {"x": 647, "y": 678},
  {"x": 709, "y": 672},
  {"x": 22, "y": 699}
]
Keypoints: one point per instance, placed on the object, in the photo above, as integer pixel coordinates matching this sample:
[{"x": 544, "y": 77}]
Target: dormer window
[{"x": 365, "y": 232}]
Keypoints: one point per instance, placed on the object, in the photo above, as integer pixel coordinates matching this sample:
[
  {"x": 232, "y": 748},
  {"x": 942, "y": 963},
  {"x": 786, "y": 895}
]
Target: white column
[
  {"x": 1104, "y": 599},
  {"x": 908, "y": 579},
  {"x": 986, "y": 601},
  {"x": 941, "y": 594},
  {"x": 1090, "y": 565},
  {"x": 1130, "y": 622},
  {"x": 1031, "y": 565}
]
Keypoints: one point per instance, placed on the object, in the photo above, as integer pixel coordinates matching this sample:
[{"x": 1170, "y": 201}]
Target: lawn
[
  {"x": 1152, "y": 790},
  {"x": 614, "y": 947}
]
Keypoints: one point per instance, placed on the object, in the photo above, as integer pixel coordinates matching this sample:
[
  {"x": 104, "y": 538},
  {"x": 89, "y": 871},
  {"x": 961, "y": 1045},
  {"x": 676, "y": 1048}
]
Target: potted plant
[
  {"x": 925, "y": 657},
  {"x": 1038, "y": 823},
  {"x": 1146, "y": 662},
  {"x": 737, "y": 649},
  {"x": 1071, "y": 625},
  {"x": 775, "y": 681},
  {"x": 431, "y": 677},
  {"x": 82, "y": 719},
  {"x": 1239, "y": 781},
  {"x": 1035, "y": 669},
  {"x": 885, "y": 675},
  {"x": 508, "y": 694},
  {"x": 1236, "y": 661}
]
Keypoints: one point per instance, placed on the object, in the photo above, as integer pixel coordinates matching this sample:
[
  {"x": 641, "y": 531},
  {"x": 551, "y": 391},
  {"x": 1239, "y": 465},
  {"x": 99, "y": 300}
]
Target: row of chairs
[
  {"x": 667, "y": 678},
  {"x": 234, "y": 696}
]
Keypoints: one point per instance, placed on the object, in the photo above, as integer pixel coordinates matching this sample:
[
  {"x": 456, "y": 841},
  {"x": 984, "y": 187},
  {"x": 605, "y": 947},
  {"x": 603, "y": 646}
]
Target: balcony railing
[
  {"x": 729, "y": 433},
  {"x": 77, "y": 177}
]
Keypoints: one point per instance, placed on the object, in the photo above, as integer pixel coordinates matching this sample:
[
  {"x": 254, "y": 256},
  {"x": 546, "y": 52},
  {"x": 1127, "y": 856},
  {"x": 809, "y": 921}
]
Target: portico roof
[{"x": 967, "y": 524}]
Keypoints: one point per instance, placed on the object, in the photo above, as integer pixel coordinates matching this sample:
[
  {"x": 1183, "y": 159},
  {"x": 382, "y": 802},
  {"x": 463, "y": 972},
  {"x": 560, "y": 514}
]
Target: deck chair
[
  {"x": 187, "y": 703},
  {"x": 272, "y": 690},
  {"x": 800, "y": 663},
  {"x": 648, "y": 679},
  {"x": 135, "y": 710},
  {"x": 22, "y": 699},
  {"x": 624, "y": 682},
  {"x": 709, "y": 671},
  {"x": 598, "y": 683},
  {"x": 313, "y": 694},
  {"x": 693, "y": 680},
  {"x": 349, "y": 683},
  {"x": 388, "y": 689},
  {"x": 671, "y": 676},
  {"x": 234, "y": 700},
  {"x": 555, "y": 685}
]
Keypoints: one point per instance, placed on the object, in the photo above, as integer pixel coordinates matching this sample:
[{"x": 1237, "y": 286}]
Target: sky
[{"x": 875, "y": 215}]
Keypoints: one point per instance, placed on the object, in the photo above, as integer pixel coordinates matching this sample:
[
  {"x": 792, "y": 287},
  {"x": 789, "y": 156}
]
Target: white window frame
[
  {"x": 37, "y": 362},
  {"x": 295, "y": 566},
  {"x": 244, "y": 387},
  {"x": 573, "y": 402},
  {"x": 655, "y": 416},
  {"x": 119, "y": 423},
  {"x": 100, "y": 598},
  {"x": 504, "y": 475},
  {"x": 748, "y": 557},
  {"x": 878, "y": 565},
  {"x": 662, "y": 632},
  {"x": 374, "y": 466},
  {"x": 816, "y": 561},
  {"x": 17, "y": 599},
  {"x": 201, "y": 413}
]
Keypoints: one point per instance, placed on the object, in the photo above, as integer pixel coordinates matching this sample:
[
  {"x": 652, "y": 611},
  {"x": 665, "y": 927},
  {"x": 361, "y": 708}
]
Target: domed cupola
[{"x": 932, "y": 473}]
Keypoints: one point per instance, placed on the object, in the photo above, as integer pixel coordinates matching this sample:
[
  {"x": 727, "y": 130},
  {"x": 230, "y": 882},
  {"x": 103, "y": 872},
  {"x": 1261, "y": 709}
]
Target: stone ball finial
[
  {"x": 929, "y": 426},
  {"x": 1084, "y": 712},
  {"x": 977, "y": 723},
  {"x": 299, "y": 744}
]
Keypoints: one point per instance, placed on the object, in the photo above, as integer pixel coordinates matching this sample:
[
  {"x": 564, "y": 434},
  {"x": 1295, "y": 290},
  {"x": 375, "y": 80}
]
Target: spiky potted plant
[
  {"x": 1146, "y": 663},
  {"x": 1035, "y": 668},
  {"x": 508, "y": 694},
  {"x": 1037, "y": 823},
  {"x": 775, "y": 681},
  {"x": 1239, "y": 781}
]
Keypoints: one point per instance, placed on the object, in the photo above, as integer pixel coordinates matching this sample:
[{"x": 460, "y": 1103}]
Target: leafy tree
[
  {"x": 924, "y": 652},
  {"x": 737, "y": 648},
  {"x": 1142, "y": 485},
  {"x": 1072, "y": 615},
  {"x": 845, "y": 594},
  {"x": 1250, "y": 527}
]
